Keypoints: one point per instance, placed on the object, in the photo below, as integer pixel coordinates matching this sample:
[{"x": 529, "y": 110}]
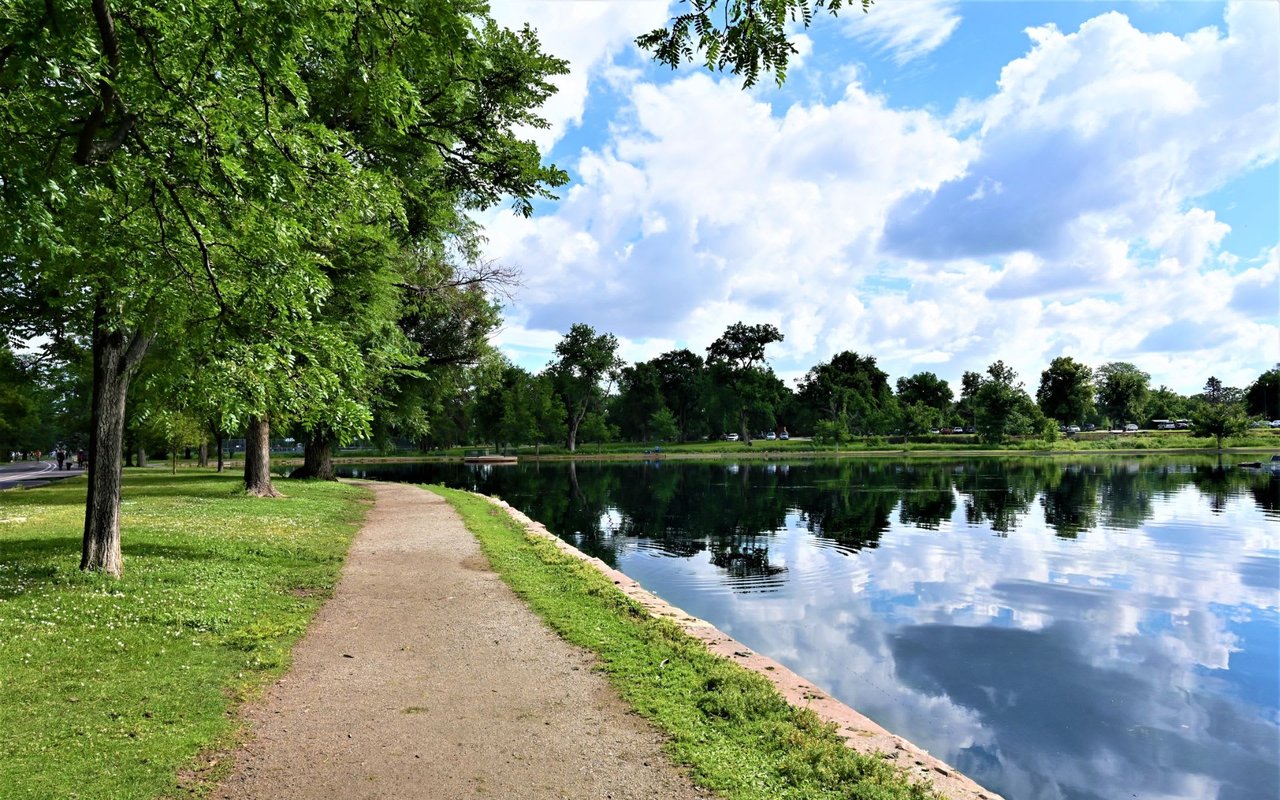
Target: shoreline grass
[
  {"x": 112, "y": 688},
  {"x": 729, "y": 725},
  {"x": 1101, "y": 442}
]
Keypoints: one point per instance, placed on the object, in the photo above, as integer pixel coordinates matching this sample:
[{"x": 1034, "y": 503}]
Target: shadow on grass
[{"x": 137, "y": 483}]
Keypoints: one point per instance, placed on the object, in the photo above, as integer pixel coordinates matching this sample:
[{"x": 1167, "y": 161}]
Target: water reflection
[{"x": 1100, "y": 628}]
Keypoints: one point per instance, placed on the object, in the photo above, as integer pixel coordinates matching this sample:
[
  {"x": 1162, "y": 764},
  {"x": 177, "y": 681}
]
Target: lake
[{"x": 1089, "y": 628}]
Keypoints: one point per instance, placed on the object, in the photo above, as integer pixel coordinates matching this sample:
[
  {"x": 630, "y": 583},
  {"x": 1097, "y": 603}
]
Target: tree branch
[{"x": 106, "y": 91}]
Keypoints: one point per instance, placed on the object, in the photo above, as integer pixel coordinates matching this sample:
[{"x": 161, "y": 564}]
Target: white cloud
[
  {"x": 1105, "y": 124},
  {"x": 588, "y": 35},
  {"x": 909, "y": 29},
  {"x": 1067, "y": 223}
]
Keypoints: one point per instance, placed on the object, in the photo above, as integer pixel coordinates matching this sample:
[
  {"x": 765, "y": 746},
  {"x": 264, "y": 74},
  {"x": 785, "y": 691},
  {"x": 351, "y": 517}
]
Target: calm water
[{"x": 1103, "y": 628}]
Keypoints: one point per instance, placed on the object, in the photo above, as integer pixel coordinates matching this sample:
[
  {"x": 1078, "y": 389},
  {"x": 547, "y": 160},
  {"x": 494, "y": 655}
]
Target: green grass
[
  {"x": 1103, "y": 441},
  {"x": 110, "y": 688},
  {"x": 729, "y": 725}
]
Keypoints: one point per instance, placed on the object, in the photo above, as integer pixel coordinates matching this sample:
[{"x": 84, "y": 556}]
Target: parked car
[
  {"x": 957, "y": 430},
  {"x": 731, "y": 437},
  {"x": 784, "y": 436},
  {"x": 1073, "y": 429},
  {"x": 1275, "y": 423},
  {"x": 771, "y": 436},
  {"x": 1130, "y": 428}
]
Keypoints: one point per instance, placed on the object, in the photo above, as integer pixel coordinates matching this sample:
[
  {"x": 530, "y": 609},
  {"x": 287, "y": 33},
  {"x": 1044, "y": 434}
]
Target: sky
[{"x": 938, "y": 184}]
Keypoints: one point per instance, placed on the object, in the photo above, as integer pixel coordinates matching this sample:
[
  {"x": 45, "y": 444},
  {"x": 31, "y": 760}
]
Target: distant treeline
[{"x": 588, "y": 394}]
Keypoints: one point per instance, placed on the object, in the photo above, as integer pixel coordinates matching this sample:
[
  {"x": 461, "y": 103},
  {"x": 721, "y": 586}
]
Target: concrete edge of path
[{"x": 858, "y": 731}]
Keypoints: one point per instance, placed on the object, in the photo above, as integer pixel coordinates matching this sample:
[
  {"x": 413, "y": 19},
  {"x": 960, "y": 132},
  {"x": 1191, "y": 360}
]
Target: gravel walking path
[{"x": 425, "y": 677}]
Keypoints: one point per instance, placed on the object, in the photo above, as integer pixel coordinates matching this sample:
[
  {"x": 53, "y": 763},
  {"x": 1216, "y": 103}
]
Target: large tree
[
  {"x": 584, "y": 361},
  {"x": 163, "y": 165},
  {"x": 1122, "y": 392},
  {"x": 737, "y": 364},
  {"x": 851, "y": 391},
  {"x": 1066, "y": 391},
  {"x": 1262, "y": 398},
  {"x": 683, "y": 377},
  {"x": 1003, "y": 408},
  {"x": 925, "y": 388},
  {"x": 639, "y": 399}
]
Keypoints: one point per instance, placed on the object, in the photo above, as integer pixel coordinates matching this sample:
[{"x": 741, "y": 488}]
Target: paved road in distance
[{"x": 32, "y": 473}]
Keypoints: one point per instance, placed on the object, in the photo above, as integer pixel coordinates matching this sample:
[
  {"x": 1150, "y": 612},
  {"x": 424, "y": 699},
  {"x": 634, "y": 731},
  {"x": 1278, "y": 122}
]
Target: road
[{"x": 32, "y": 473}]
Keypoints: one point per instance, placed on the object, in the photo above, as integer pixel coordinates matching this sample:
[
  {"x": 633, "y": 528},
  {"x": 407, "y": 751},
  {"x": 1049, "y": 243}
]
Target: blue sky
[{"x": 939, "y": 184}]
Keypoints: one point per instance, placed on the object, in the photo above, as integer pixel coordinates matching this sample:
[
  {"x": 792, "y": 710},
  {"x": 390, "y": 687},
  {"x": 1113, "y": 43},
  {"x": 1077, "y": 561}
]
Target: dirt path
[{"x": 426, "y": 677}]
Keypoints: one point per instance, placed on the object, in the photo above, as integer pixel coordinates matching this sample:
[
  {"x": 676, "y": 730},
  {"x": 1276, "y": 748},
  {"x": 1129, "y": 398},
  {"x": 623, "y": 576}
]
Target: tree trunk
[
  {"x": 218, "y": 440},
  {"x": 317, "y": 459},
  {"x": 142, "y": 454},
  {"x": 115, "y": 359},
  {"x": 257, "y": 459},
  {"x": 204, "y": 455}
]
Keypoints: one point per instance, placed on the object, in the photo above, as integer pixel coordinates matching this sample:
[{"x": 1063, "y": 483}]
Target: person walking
[{"x": 61, "y": 456}]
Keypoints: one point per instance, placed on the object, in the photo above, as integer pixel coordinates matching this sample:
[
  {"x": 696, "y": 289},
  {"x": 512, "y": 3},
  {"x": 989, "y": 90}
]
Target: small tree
[
  {"x": 177, "y": 430},
  {"x": 917, "y": 419},
  {"x": 832, "y": 432},
  {"x": 662, "y": 424},
  {"x": 1221, "y": 412}
]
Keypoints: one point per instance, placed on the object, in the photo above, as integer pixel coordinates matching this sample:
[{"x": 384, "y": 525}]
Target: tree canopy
[{"x": 165, "y": 166}]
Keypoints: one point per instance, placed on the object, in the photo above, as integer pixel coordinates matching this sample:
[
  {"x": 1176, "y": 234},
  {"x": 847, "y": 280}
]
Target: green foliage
[
  {"x": 1262, "y": 398},
  {"x": 745, "y": 386},
  {"x": 684, "y": 380},
  {"x": 831, "y": 432},
  {"x": 730, "y": 726},
  {"x": 1004, "y": 409},
  {"x": 113, "y": 687},
  {"x": 743, "y": 36},
  {"x": 1164, "y": 403},
  {"x": 267, "y": 183},
  {"x": 851, "y": 388},
  {"x": 662, "y": 425},
  {"x": 918, "y": 418},
  {"x": 926, "y": 389},
  {"x": 1122, "y": 392},
  {"x": 639, "y": 399},
  {"x": 1066, "y": 391},
  {"x": 22, "y": 405},
  {"x": 583, "y": 361},
  {"x": 1221, "y": 412}
]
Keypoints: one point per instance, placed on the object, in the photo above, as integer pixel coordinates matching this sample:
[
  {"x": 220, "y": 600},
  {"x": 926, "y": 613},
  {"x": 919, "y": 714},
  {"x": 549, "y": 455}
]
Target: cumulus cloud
[
  {"x": 1106, "y": 123},
  {"x": 705, "y": 197},
  {"x": 586, "y": 34},
  {"x": 1064, "y": 217}
]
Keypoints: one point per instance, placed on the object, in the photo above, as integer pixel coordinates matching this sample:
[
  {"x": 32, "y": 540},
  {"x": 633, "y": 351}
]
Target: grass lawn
[
  {"x": 731, "y": 727},
  {"x": 111, "y": 689}
]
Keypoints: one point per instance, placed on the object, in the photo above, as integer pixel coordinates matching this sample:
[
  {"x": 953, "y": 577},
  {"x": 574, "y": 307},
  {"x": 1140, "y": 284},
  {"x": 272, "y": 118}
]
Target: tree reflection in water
[{"x": 684, "y": 508}]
